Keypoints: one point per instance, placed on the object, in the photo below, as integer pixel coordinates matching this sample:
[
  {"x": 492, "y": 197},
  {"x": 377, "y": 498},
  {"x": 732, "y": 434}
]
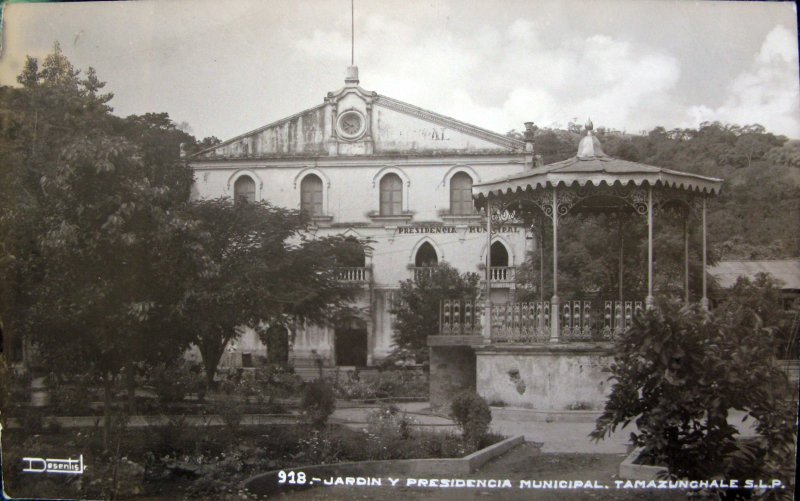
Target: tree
[
  {"x": 256, "y": 268},
  {"x": 759, "y": 301},
  {"x": 88, "y": 230},
  {"x": 108, "y": 259},
  {"x": 678, "y": 372},
  {"x": 417, "y": 310}
]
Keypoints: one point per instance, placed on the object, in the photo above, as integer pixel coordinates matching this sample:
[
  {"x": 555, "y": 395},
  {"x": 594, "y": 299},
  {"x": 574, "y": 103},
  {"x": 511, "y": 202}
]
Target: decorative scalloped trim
[{"x": 653, "y": 180}]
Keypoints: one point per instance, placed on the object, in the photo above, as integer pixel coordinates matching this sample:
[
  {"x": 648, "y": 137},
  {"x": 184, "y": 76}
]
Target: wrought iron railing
[
  {"x": 521, "y": 322},
  {"x": 353, "y": 274},
  {"x": 460, "y": 317},
  {"x": 596, "y": 320},
  {"x": 527, "y": 323}
]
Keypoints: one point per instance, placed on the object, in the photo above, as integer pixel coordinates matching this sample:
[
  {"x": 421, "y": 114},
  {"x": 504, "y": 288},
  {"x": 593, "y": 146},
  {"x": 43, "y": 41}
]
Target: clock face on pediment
[{"x": 351, "y": 124}]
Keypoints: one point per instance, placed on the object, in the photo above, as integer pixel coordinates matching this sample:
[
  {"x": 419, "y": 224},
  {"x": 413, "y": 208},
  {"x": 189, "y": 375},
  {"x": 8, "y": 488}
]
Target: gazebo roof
[{"x": 592, "y": 166}]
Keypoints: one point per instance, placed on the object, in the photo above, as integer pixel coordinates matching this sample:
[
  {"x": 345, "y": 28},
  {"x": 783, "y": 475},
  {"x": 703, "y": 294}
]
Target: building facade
[{"x": 369, "y": 166}]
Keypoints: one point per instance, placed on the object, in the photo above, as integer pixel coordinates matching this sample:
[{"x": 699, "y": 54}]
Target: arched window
[
  {"x": 499, "y": 256},
  {"x": 391, "y": 195},
  {"x": 244, "y": 189},
  {"x": 311, "y": 195},
  {"x": 426, "y": 256},
  {"x": 461, "y": 194}
]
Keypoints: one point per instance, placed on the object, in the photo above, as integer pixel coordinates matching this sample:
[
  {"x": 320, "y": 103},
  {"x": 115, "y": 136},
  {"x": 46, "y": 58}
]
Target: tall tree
[{"x": 255, "y": 267}]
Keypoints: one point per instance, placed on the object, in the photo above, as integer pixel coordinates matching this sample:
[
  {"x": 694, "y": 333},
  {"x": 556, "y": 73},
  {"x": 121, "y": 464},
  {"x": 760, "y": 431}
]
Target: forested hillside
[{"x": 757, "y": 215}]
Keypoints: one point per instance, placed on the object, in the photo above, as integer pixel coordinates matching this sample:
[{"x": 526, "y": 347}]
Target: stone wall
[
  {"x": 452, "y": 369},
  {"x": 546, "y": 377}
]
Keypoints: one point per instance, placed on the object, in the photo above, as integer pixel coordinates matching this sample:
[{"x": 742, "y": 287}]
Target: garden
[{"x": 185, "y": 441}]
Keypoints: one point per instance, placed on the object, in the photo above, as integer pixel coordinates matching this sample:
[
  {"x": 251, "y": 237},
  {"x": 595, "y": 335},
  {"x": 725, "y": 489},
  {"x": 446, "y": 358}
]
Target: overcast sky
[{"x": 229, "y": 67}]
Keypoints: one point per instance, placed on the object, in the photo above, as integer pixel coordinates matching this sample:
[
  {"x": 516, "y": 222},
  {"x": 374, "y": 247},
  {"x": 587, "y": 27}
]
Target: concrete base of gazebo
[{"x": 551, "y": 377}]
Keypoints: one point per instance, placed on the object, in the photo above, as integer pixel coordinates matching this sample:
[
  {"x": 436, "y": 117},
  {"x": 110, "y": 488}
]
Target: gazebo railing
[
  {"x": 596, "y": 320},
  {"x": 521, "y": 322},
  {"x": 530, "y": 322},
  {"x": 461, "y": 317}
]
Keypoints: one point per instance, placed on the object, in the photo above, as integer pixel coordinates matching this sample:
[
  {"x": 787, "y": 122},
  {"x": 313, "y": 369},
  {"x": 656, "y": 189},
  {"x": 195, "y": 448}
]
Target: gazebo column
[
  {"x": 487, "y": 308},
  {"x": 686, "y": 256},
  {"x": 555, "y": 310},
  {"x": 649, "y": 301},
  {"x": 704, "y": 300},
  {"x": 621, "y": 245}
]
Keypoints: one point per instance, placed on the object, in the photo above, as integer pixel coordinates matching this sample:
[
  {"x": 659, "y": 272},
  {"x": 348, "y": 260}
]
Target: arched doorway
[
  {"x": 350, "y": 343},
  {"x": 278, "y": 345},
  {"x": 426, "y": 256},
  {"x": 499, "y": 255}
]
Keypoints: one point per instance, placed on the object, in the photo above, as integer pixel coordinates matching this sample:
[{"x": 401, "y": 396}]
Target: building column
[
  {"x": 650, "y": 300},
  {"x": 555, "y": 310},
  {"x": 704, "y": 300}
]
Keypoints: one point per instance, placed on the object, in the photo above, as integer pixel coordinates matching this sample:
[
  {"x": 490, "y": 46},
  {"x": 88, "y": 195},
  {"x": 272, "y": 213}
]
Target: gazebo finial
[{"x": 589, "y": 147}]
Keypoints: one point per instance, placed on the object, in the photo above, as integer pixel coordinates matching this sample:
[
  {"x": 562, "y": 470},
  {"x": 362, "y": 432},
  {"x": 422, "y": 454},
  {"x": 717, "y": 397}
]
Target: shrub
[
  {"x": 678, "y": 371},
  {"x": 318, "y": 403},
  {"x": 390, "y": 423},
  {"x": 173, "y": 381},
  {"x": 397, "y": 383},
  {"x": 472, "y": 414},
  {"x": 278, "y": 381}
]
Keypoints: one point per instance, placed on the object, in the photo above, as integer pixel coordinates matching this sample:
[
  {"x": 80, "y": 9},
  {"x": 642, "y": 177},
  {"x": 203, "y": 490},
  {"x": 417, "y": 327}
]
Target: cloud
[
  {"x": 767, "y": 93},
  {"x": 499, "y": 78}
]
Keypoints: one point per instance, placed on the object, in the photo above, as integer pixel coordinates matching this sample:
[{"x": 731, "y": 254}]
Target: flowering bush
[
  {"x": 385, "y": 384},
  {"x": 318, "y": 448}
]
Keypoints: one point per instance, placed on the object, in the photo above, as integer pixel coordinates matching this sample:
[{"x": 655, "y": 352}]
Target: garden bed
[{"x": 194, "y": 462}]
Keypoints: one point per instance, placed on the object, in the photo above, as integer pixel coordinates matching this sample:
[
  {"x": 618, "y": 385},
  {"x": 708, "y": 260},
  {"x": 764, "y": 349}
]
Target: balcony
[
  {"x": 530, "y": 323},
  {"x": 420, "y": 272},
  {"x": 356, "y": 274},
  {"x": 502, "y": 274}
]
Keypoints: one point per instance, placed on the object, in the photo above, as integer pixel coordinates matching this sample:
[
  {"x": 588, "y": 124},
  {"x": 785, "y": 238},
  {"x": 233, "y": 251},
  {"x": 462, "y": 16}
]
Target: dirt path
[{"x": 525, "y": 462}]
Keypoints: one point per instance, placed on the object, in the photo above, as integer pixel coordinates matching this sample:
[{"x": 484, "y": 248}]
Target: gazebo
[{"x": 565, "y": 341}]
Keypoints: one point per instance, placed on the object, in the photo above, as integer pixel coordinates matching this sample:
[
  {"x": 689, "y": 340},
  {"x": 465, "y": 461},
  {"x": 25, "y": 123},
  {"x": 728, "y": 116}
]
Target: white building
[{"x": 370, "y": 166}]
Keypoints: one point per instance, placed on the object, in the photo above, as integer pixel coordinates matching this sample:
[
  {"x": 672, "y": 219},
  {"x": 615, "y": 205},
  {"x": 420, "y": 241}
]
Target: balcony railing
[
  {"x": 502, "y": 274},
  {"x": 354, "y": 274},
  {"x": 423, "y": 271},
  {"x": 528, "y": 323}
]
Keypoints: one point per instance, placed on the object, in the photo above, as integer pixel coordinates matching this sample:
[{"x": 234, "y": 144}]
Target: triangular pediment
[{"x": 356, "y": 122}]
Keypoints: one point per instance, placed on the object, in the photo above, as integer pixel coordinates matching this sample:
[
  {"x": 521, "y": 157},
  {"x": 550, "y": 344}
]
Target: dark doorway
[
  {"x": 426, "y": 256},
  {"x": 277, "y": 345},
  {"x": 499, "y": 256},
  {"x": 351, "y": 343}
]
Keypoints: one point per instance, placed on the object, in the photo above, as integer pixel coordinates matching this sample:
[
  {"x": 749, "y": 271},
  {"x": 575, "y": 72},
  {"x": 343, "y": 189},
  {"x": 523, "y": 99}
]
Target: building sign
[{"x": 453, "y": 229}]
